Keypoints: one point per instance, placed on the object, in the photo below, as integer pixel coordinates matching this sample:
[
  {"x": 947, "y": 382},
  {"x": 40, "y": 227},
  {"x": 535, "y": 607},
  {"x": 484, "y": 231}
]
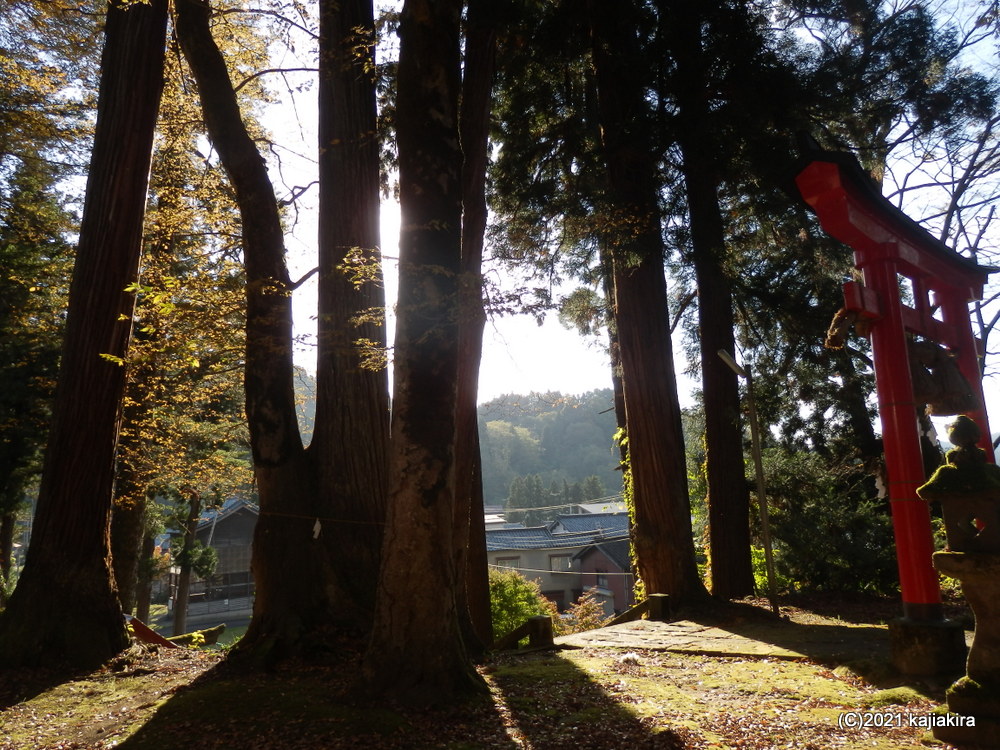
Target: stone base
[
  {"x": 925, "y": 648},
  {"x": 974, "y": 704}
]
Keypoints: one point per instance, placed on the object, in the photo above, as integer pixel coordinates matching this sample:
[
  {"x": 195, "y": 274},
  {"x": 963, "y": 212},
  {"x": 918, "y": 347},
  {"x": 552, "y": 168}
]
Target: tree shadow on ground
[
  {"x": 863, "y": 649},
  {"x": 301, "y": 705},
  {"x": 540, "y": 700},
  {"x": 19, "y": 685},
  {"x": 550, "y": 703}
]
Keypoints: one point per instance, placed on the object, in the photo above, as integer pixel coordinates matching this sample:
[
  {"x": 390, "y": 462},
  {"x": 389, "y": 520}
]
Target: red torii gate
[{"x": 889, "y": 246}]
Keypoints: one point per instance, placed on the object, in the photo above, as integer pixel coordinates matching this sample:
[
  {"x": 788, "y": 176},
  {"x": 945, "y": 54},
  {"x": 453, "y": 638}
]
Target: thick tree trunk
[
  {"x": 350, "y": 444},
  {"x": 417, "y": 653},
  {"x": 289, "y": 563},
  {"x": 321, "y": 509},
  {"x": 470, "y": 527},
  {"x": 128, "y": 521},
  {"x": 128, "y": 513},
  {"x": 728, "y": 493},
  {"x": 68, "y": 567},
  {"x": 662, "y": 533}
]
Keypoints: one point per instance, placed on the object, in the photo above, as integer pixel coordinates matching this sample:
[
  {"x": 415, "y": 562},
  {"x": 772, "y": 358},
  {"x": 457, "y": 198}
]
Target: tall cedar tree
[
  {"x": 189, "y": 319},
  {"x": 350, "y": 443},
  {"x": 68, "y": 563},
  {"x": 470, "y": 528},
  {"x": 662, "y": 533},
  {"x": 728, "y": 498},
  {"x": 304, "y": 583},
  {"x": 417, "y": 651}
]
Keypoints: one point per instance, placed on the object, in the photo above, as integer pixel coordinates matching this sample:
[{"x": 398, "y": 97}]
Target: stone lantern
[{"x": 968, "y": 489}]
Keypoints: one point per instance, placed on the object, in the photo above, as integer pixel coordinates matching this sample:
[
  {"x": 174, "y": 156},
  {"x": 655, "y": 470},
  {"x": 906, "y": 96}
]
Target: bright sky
[{"x": 519, "y": 355}]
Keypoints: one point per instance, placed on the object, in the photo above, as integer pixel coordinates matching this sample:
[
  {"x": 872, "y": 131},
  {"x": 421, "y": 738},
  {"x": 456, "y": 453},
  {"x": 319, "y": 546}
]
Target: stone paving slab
[{"x": 781, "y": 639}]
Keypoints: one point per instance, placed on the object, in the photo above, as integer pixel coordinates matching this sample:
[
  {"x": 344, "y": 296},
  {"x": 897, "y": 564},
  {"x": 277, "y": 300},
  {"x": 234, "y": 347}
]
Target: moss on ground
[{"x": 587, "y": 699}]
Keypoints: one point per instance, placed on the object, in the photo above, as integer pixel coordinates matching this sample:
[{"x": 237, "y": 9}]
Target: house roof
[
  {"x": 610, "y": 504},
  {"x": 556, "y": 535},
  {"x": 230, "y": 507},
  {"x": 531, "y": 537},
  {"x": 592, "y": 522},
  {"x": 617, "y": 551}
]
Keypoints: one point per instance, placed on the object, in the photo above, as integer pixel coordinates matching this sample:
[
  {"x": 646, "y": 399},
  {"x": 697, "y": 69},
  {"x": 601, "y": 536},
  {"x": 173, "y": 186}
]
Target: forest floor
[{"x": 579, "y": 699}]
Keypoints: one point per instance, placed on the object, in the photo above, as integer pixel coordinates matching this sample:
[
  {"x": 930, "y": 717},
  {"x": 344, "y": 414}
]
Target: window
[
  {"x": 509, "y": 562},
  {"x": 560, "y": 563},
  {"x": 602, "y": 578}
]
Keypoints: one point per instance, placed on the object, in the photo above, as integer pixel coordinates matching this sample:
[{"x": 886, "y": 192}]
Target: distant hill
[{"x": 561, "y": 438}]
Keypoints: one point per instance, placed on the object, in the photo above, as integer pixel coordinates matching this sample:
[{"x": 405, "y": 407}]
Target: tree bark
[
  {"x": 289, "y": 562},
  {"x": 128, "y": 520},
  {"x": 662, "y": 533},
  {"x": 471, "y": 560},
  {"x": 417, "y": 653},
  {"x": 183, "y": 595},
  {"x": 316, "y": 543},
  {"x": 350, "y": 444},
  {"x": 68, "y": 567},
  {"x": 144, "y": 585},
  {"x": 728, "y": 493}
]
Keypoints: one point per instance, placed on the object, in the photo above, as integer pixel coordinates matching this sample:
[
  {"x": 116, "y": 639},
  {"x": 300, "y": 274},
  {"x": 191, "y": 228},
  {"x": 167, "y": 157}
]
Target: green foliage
[
  {"x": 826, "y": 537},
  {"x": 562, "y": 439},
  {"x": 628, "y": 496},
  {"x": 586, "y": 613},
  {"x": 514, "y": 599},
  {"x": 782, "y": 583},
  {"x": 200, "y": 559},
  {"x": 528, "y": 492},
  {"x": 35, "y": 261}
]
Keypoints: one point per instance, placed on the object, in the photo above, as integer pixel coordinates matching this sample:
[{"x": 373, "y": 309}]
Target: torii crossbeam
[{"x": 890, "y": 249}]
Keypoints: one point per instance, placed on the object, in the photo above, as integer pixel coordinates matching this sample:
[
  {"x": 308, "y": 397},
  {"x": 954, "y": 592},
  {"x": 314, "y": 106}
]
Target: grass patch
[{"x": 593, "y": 698}]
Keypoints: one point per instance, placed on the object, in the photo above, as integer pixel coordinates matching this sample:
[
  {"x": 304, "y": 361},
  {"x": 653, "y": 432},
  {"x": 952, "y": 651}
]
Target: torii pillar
[{"x": 890, "y": 249}]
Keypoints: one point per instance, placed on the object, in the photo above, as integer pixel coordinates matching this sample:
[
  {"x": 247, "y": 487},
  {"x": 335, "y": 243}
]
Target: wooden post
[
  {"x": 540, "y": 632},
  {"x": 659, "y": 607}
]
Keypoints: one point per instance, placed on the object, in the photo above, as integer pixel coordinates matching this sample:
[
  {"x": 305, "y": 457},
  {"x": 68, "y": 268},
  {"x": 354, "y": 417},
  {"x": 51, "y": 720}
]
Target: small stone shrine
[{"x": 968, "y": 489}]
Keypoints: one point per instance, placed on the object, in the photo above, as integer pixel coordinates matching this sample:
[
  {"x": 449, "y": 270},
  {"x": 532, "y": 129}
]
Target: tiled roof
[
  {"x": 616, "y": 551},
  {"x": 606, "y": 522},
  {"x": 541, "y": 537},
  {"x": 228, "y": 508}
]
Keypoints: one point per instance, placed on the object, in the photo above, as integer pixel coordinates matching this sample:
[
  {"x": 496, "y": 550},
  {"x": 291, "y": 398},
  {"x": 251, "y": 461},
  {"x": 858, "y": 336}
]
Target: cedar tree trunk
[
  {"x": 662, "y": 533},
  {"x": 728, "y": 493},
  {"x": 288, "y": 562},
  {"x": 128, "y": 522},
  {"x": 417, "y": 653},
  {"x": 350, "y": 444},
  {"x": 471, "y": 561},
  {"x": 68, "y": 568},
  {"x": 323, "y": 507}
]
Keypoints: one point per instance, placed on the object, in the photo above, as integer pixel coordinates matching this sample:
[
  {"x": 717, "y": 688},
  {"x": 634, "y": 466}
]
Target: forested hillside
[
  {"x": 560, "y": 438},
  {"x": 564, "y": 441}
]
